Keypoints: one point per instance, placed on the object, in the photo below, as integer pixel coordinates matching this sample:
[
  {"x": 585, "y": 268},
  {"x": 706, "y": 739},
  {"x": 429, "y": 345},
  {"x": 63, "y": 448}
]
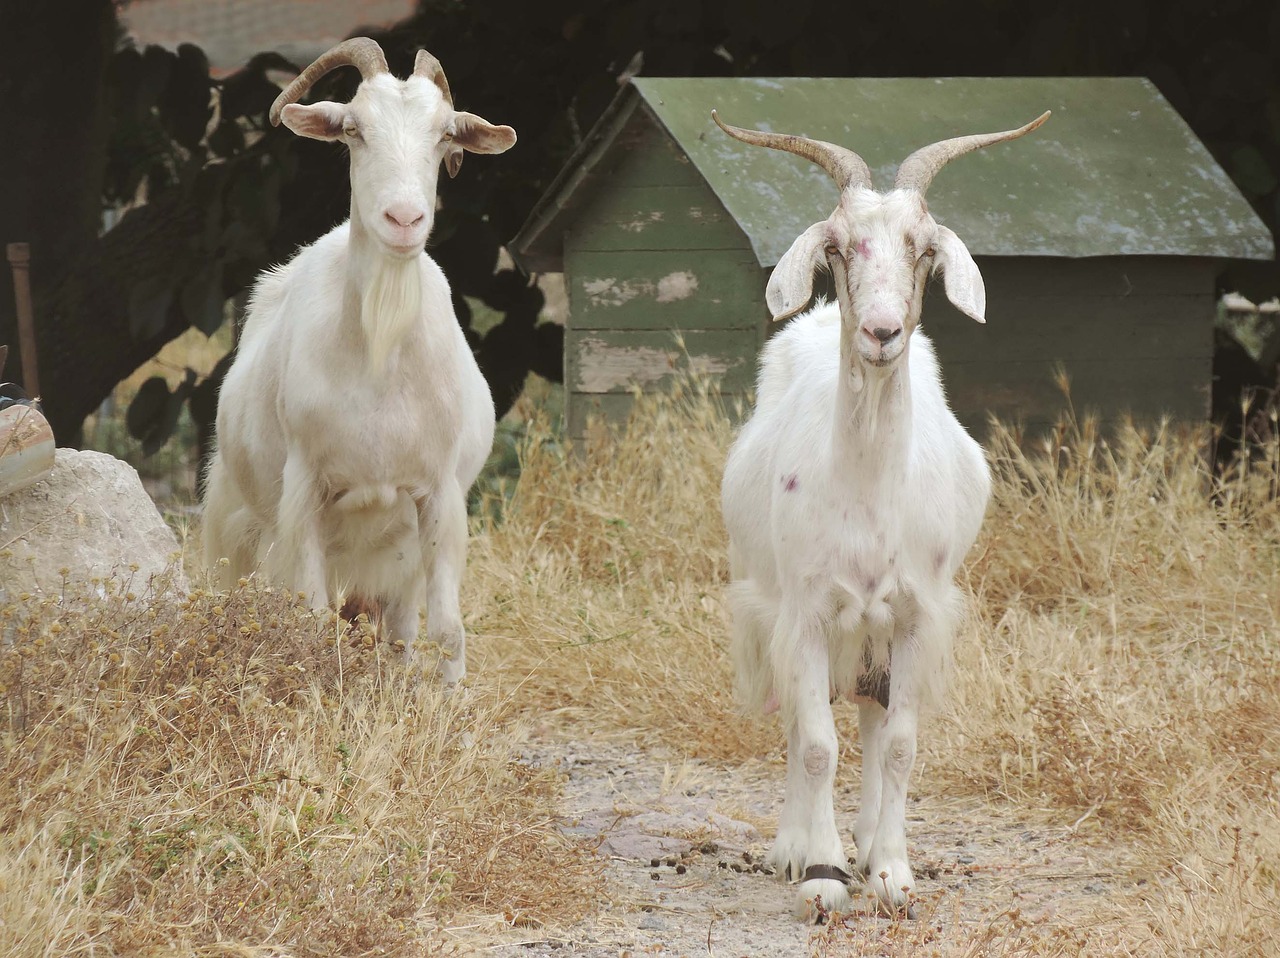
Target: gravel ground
[{"x": 684, "y": 844}]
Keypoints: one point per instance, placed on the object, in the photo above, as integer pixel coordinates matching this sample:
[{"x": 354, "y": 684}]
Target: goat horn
[
  {"x": 359, "y": 52},
  {"x": 428, "y": 66},
  {"x": 844, "y": 166},
  {"x": 918, "y": 170}
]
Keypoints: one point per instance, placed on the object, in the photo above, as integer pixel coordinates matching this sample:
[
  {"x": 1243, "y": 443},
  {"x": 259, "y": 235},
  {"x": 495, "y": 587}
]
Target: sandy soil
[{"x": 683, "y": 845}]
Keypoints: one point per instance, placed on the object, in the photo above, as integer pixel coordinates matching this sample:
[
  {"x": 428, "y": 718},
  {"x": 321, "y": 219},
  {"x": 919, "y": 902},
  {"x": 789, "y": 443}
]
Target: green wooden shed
[{"x": 1099, "y": 236}]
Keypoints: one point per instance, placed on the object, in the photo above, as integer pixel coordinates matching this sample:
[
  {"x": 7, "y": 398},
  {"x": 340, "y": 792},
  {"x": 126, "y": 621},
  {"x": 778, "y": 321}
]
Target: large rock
[{"x": 91, "y": 517}]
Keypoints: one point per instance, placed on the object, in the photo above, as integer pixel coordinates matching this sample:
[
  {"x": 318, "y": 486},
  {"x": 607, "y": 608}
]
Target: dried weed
[{"x": 237, "y": 775}]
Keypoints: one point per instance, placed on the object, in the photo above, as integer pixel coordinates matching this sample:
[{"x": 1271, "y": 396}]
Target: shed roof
[{"x": 1115, "y": 171}]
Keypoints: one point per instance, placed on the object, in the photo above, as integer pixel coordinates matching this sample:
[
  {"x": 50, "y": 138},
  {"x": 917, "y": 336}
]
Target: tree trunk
[{"x": 52, "y": 103}]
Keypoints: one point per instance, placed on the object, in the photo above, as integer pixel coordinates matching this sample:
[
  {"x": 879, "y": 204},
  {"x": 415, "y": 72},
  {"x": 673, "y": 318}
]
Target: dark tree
[{"x": 93, "y": 124}]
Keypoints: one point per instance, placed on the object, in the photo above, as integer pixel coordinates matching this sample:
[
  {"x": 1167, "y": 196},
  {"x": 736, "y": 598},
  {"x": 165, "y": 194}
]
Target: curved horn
[
  {"x": 844, "y": 166},
  {"x": 428, "y": 66},
  {"x": 918, "y": 170},
  {"x": 359, "y": 52}
]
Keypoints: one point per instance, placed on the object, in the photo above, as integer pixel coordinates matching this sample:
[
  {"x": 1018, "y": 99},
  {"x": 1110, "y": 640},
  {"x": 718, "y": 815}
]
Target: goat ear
[
  {"x": 791, "y": 285},
  {"x": 317, "y": 121},
  {"x": 480, "y": 136},
  {"x": 960, "y": 275},
  {"x": 453, "y": 160}
]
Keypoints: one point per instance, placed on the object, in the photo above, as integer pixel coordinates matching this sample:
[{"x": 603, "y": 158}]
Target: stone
[{"x": 92, "y": 518}]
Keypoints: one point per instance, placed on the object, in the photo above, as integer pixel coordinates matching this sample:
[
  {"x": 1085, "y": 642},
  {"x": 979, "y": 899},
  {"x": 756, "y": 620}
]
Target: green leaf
[
  {"x": 147, "y": 408},
  {"x": 202, "y": 299},
  {"x": 154, "y": 412},
  {"x": 1252, "y": 173},
  {"x": 248, "y": 92},
  {"x": 149, "y": 303},
  {"x": 227, "y": 138},
  {"x": 185, "y": 105}
]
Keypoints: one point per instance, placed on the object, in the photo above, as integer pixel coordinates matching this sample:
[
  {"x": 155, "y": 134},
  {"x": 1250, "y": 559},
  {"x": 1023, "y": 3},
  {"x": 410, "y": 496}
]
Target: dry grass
[
  {"x": 238, "y": 776},
  {"x": 602, "y": 580},
  {"x": 1120, "y": 670}
]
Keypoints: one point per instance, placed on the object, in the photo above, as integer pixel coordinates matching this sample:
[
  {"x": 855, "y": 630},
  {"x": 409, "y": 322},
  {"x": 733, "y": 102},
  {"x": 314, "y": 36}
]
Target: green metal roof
[{"x": 1115, "y": 170}]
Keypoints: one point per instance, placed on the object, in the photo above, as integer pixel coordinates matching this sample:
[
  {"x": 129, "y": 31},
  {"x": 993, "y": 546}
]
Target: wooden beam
[{"x": 20, "y": 260}]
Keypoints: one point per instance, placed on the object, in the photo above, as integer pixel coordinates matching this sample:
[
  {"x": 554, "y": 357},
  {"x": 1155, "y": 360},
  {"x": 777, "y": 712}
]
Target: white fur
[
  {"x": 851, "y": 497},
  {"x": 354, "y": 418}
]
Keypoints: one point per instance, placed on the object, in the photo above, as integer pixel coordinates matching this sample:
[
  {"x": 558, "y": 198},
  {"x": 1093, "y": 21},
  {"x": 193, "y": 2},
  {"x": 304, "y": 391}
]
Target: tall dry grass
[
  {"x": 235, "y": 775},
  {"x": 280, "y": 787},
  {"x": 601, "y": 580},
  {"x": 1119, "y": 670}
]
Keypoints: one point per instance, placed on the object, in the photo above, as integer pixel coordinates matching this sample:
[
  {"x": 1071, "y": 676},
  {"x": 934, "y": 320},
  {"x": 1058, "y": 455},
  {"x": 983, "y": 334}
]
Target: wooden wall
[
  {"x": 653, "y": 253},
  {"x": 1134, "y": 333}
]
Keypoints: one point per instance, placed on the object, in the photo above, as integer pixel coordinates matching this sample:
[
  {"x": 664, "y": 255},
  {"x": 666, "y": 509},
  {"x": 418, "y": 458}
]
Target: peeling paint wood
[
  {"x": 662, "y": 289},
  {"x": 614, "y": 408},
  {"x": 610, "y": 361},
  {"x": 652, "y": 218},
  {"x": 644, "y": 155}
]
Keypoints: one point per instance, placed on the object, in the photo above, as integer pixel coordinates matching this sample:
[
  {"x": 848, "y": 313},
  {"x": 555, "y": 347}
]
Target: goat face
[
  {"x": 398, "y": 132},
  {"x": 881, "y": 250}
]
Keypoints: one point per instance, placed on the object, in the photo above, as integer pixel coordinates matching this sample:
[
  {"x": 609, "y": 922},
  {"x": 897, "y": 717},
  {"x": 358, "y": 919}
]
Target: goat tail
[{"x": 753, "y": 616}]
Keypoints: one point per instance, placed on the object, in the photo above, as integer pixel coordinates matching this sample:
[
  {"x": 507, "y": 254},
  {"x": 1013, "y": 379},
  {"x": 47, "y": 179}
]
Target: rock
[{"x": 92, "y": 518}]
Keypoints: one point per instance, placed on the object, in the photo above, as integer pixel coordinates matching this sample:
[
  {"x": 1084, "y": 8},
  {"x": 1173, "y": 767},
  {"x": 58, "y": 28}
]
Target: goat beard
[{"x": 392, "y": 305}]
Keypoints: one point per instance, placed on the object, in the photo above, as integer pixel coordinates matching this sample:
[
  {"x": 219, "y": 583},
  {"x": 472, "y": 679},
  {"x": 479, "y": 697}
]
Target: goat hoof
[
  {"x": 905, "y": 911},
  {"x": 820, "y": 897}
]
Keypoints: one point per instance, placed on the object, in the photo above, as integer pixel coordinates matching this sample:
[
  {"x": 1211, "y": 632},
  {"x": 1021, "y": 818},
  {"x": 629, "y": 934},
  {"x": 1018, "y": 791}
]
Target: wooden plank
[
  {"x": 654, "y": 218},
  {"x": 580, "y": 408},
  {"x": 1072, "y": 328},
  {"x": 1026, "y": 390},
  {"x": 665, "y": 289},
  {"x": 1031, "y": 434},
  {"x": 1126, "y": 276},
  {"x": 616, "y": 361},
  {"x": 644, "y": 154}
]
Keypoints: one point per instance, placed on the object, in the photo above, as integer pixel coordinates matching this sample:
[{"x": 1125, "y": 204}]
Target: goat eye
[
  {"x": 929, "y": 251},
  {"x": 448, "y": 134},
  {"x": 352, "y": 131},
  {"x": 833, "y": 250}
]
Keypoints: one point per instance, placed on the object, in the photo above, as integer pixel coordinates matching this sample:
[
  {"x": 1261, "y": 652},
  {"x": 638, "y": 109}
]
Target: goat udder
[{"x": 355, "y": 605}]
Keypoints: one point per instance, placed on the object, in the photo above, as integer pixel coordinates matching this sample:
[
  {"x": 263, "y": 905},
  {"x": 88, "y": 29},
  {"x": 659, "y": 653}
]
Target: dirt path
[{"x": 682, "y": 844}]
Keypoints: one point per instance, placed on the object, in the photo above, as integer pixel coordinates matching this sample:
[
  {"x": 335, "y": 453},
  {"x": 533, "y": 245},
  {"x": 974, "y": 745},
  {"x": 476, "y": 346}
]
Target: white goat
[
  {"x": 851, "y": 497},
  {"x": 354, "y": 418}
]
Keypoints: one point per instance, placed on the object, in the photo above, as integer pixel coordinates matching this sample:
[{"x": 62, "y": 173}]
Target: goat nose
[
  {"x": 406, "y": 215},
  {"x": 884, "y": 334}
]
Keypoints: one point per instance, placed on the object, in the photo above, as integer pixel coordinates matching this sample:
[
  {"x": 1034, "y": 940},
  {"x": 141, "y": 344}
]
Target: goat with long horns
[
  {"x": 355, "y": 419},
  {"x": 851, "y": 497}
]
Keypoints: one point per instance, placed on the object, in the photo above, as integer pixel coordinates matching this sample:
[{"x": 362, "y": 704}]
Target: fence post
[{"x": 20, "y": 259}]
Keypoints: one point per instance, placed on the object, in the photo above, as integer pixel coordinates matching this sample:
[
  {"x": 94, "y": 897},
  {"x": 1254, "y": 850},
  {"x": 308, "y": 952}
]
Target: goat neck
[
  {"x": 872, "y": 423},
  {"x": 382, "y": 296}
]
